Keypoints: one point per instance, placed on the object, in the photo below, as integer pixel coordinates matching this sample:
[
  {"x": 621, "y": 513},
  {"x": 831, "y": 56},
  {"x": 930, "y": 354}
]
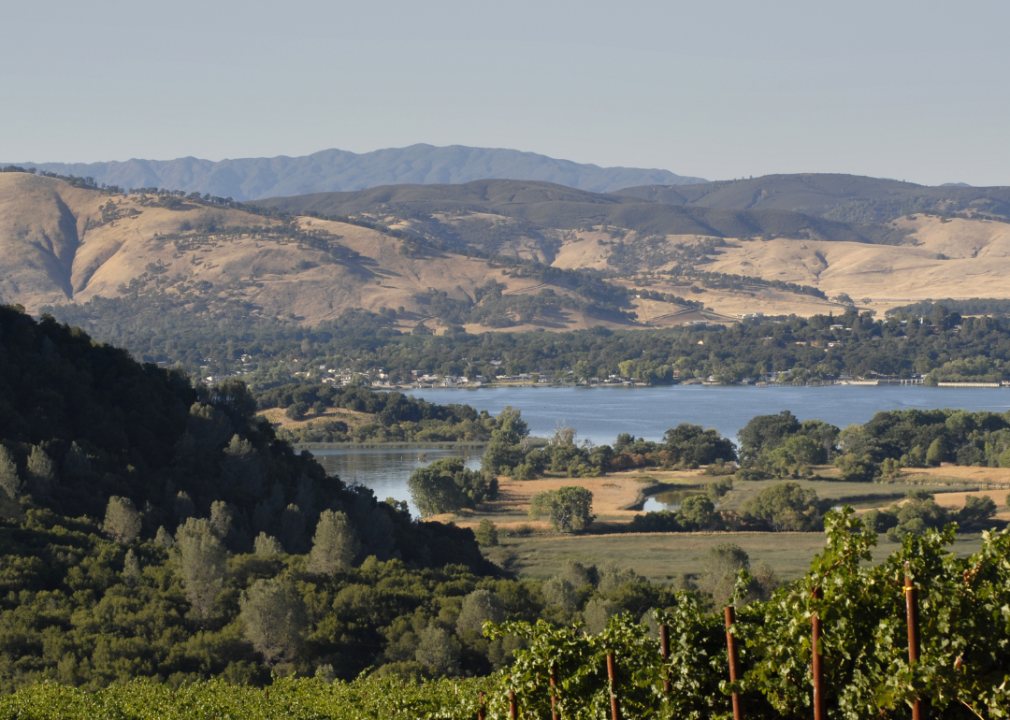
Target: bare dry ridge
[{"x": 65, "y": 244}]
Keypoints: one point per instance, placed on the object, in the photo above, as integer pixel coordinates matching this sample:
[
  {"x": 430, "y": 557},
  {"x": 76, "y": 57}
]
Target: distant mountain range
[{"x": 339, "y": 170}]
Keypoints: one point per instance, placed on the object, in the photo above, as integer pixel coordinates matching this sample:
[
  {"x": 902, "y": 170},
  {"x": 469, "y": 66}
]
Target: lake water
[
  {"x": 600, "y": 414},
  {"x": 387, "y": 471}
]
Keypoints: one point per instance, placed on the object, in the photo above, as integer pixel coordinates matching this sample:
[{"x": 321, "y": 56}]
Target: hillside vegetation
[
  {"x": 150, "y": 529},
  {"x": 136, "y": 510},
  {"x": 547, "y": 205},
  {"x": 377, "y": 416},
  {"x": 847, "y": 198},
  {"x": 83, "y": 423},
  {"x": 615, "y": 666}
]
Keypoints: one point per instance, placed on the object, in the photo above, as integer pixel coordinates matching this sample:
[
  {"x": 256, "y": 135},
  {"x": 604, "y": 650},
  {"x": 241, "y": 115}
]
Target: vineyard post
[
  {"x": 664, "y": 650},
  {"x": 554, "y": 693},
  {"x": 734, "y": 660},
  {"x": 481, "y": 712},
  {"x": 513, "y": 705},
  {"x": 912, "y": 611},
  {"x": 615, "y": 710},
  {"x": 818, "y": 671}
]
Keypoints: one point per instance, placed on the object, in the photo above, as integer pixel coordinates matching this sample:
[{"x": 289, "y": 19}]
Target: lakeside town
[{"x": 379, "y": 380}]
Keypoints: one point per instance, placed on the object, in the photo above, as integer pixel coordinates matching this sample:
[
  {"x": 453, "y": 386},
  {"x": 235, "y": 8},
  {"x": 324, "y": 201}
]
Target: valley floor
[{"x": 530, "y": 548}]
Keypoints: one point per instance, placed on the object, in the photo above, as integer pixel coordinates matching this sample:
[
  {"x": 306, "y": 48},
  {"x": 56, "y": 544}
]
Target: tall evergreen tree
[
  {"x": 203, "y": 564},
  {"x": 273, "y": 617},
  {"x": 122, "y": 521},
  {"x": 10, "y": 481},
  {"x": 335, "y": 544},
  {"x": 267, "y": 545},
  {"x": 41, "y": 472}
]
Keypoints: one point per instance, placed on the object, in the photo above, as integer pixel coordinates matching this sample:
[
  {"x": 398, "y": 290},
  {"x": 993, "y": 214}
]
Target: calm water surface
[
  {"x": 599, "y": 414},
  {"x": 387, "y": 471},
  {"x": 671, "y": 500}
]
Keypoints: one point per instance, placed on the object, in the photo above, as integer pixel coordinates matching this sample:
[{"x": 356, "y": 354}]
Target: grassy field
[
  {"x": 859, "y": 495},
  {"x": 665, "y": 557},
  {"x": 618, "y": 497},
  {"x": 613, "y": 497}
]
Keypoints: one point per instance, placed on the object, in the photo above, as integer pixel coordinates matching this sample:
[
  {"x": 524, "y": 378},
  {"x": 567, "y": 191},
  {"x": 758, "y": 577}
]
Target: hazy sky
[{"x": 718, "y": 89}]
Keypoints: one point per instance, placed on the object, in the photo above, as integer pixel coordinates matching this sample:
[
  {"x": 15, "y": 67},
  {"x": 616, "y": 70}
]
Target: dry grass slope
[{"x": 57, "y": 245}]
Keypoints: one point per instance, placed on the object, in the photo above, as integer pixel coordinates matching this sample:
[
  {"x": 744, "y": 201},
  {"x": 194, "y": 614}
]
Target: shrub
[
  {"x": 786, "y": 506},
  {"x": 569, "y": 509},
  {"x": 486, "y": 534},
  {"x": 448, "y": 486}
]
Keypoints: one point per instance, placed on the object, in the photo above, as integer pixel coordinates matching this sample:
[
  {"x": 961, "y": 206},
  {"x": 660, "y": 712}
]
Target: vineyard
[
  {"x": 291, "y": 699},
  {"x": 924, "y": 634}
]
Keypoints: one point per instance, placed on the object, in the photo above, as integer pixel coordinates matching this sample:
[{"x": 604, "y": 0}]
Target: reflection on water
[
  {"x": 386, "y": 471},
  {"x": 671, "y": 500}
]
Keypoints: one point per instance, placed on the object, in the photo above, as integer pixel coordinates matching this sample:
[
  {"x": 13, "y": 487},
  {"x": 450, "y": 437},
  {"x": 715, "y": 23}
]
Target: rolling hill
[
  {"x": 846, "y": 198},
  {"x": 338, "y": 170},
  {"x": 547, "y": 205},
  {"x": 486, "y": 255}
]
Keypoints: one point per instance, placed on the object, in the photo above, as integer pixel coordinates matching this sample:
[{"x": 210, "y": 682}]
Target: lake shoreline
[
  {"x": 650, "y": 412},
  {"x": 449, "y": 445}
]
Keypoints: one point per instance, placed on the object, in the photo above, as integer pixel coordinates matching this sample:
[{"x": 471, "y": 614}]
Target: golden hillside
[
  {"x": 61, "y": 244},
  {"x": 943, "y": 258}
]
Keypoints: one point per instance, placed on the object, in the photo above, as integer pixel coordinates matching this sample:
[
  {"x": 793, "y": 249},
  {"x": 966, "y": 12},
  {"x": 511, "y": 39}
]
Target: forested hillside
[
  {"x": 82, "y": 423},
  {"x": 104, "y": 461}
]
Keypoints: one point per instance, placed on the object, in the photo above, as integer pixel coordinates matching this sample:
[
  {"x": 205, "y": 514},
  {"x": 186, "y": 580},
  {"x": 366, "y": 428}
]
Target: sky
[{"x": 910, "y": 90}]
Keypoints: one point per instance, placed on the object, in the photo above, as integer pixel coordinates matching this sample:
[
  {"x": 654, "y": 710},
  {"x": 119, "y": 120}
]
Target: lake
[{"x": 600, "y": 414}]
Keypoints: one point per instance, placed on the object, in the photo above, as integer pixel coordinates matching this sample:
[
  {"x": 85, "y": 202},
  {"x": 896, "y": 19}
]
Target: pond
[{"x": 670, "y": 500}]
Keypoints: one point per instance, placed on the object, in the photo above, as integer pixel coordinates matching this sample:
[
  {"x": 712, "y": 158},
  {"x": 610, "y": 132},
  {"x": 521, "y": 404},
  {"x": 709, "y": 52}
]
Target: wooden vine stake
[
  {"x": 513, "y": 705},
  {"x": 818, "y": 672},
  {"x": 912, "y": 611},
  {"x": 664, "y": 651},
  {"x": 554, "y": 694},
  {"x": 734, "y": 660},
  {"x": 615, "y": 710},
  {"x": 481, "y": 710}
]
